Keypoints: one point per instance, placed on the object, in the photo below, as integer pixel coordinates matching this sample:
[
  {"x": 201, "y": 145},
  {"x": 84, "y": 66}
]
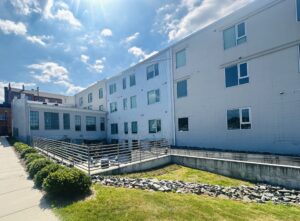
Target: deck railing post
[
  {"x": 89, "y": 160},
  {"x": 140, "y": 149}
]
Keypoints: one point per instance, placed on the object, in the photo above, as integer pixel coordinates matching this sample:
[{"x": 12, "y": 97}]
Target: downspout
[{"x": 172, "y": 96}]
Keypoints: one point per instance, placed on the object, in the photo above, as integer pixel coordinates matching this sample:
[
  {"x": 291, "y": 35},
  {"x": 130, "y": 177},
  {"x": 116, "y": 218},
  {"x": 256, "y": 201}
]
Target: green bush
[
  {"x": 28, "y": 151},
  {"x": 67, "y": 182},
  {"x": 43, "y": 173},
  {"x": 32, "y": 156},
  {"x": 20, "y": 146},
  {"x": 36, "y": 165}
]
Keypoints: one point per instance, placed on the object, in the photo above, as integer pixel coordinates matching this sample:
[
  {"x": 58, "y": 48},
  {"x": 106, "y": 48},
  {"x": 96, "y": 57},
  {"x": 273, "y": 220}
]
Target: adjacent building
[{"x": 232, "y": 85}]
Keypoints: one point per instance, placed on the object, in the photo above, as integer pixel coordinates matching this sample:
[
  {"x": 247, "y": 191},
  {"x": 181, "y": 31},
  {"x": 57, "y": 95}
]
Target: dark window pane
[
  {"x": 183, "y": 124},
  {"x": 77, "y": 123},
  {"x": 156, "y": 69},
  {"x": 114, "y": 128},
  {"x": 244, "y": 81},
  {"x": 231, "y": 75},
  {"x": 66, "y": 118},
  {"x": 134, "y": 127},
  {"x": 243, "y": 70},
  {"x": 126, "y": 128},
  {"x": 298, "y": 10},
  {"x": 246, "y": 126},
  {"x": 90, "y": 123},
  {"x": 182, "y": 88},
  {"x": 241, "y": 29},
  {"x": 51, "y": 121},
  {"x": 34, "y": 120},
  {"x": 233, "y": 119},
  {"x": 245, "y": 115}
]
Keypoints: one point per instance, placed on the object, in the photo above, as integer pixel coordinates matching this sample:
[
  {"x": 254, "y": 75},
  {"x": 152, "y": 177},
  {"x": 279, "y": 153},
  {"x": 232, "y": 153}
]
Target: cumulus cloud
[
  {"x": 177, "y": 21},
  {"x": 13, "y": 84},
  {"x": 139, "y": 53},
  {"x": 25, "y": 7},
  {"x": 106, "y": 32},
  {"x": 10, "y": 27},
  {"x": 38, "y": 39},
  {"x": 97, "y": 66},
  {"x": 131, "y": 38},
  {"x": 84, "y": 58},
  {"x": 51, "y": 72}
]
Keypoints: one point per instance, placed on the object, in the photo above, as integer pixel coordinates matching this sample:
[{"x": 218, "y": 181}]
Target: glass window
[
  {"x": 133, "y": 102},
  {"x": 100, "y": 93},
  {"x": 51, "y": 121},
  {"x": 183, "y": 124},
  {"x": 236, "y": 75},
  {"x": 241, "y": 33},
  {"x": 114, "y": 128},
  {"x": 125, "y": 127},
  {"x": 90, "y": 97},
  {"x": 154, "y": 126},
  {"x": 134, "y": 127},
  {"x": 90, "y": 107},
  {"x": 233, "y": 119},
  {"x": 80, "y": 101},
  {"x": 239, "y": 119},
  {"x": 102, "y": 123},
  {"x": 112, "y": 88},
  {"x": 124, "y": 103},
  {"x": 298, "y": 10},
  {"x": 180, "y": 58},
  {"x": 124, "y": 83},
  {"x": 101, "y": 107},
  {"x": 132, "y": 80},
  {"x": 66, "y": 118},
  {"x": 34, "y": 120},
  {"x": 234, "y": 35},
  {"x": 182, "y": 88},
  {"x": 152, "y": 71},
  {"x": 3, "y": 117},
  {"x": 77, "y": 123},
  {"x": 113, "y": 107},
  {"x": 153, "y": 96},
  {"x": 90, "y": 123}
]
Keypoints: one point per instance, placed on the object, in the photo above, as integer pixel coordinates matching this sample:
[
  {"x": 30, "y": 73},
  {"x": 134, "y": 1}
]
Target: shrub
[
  {"x": 43, "y": 173},
  {"x": 67, "y": 182},
  {"x": 27, "y": 151},
  {"x": 36, "y": 165},
  {"x": 31, "y": 157},
  {"x": 20, "y": 146}
]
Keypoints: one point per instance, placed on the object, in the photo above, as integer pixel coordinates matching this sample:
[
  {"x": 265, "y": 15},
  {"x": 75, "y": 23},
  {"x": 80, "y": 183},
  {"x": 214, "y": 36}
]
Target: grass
[
  {"x": 109, "y": 203},
  {"x": 176, "y": 172}
]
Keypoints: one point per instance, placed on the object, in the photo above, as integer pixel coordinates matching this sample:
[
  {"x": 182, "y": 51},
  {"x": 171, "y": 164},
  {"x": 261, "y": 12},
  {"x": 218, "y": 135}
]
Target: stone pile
[{"x": 259, "y": 193}]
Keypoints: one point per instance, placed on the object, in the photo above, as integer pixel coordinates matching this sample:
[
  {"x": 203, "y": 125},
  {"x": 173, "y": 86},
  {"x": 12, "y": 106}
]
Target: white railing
[{"x": 97, "y": 157}]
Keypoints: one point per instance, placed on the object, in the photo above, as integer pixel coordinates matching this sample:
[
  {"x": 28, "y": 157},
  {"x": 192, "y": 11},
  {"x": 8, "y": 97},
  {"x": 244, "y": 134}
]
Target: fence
[{"x": 97, "y": 157}]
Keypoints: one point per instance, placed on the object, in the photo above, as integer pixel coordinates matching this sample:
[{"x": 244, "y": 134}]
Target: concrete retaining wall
[{"x": 282, "y": 175}]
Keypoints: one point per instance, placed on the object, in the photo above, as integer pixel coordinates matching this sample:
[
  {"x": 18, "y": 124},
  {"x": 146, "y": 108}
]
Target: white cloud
[
  {"x": 131, "y": 38},
  {"x": 180, "y": 20},
  {"x": 50, "y": 72},
  {"x": 10, "y": 27},
  {"x": 98, "y": 66},
  {"x": 26, "y": 7},
  {"x": 106, "y": 32},
  {"x": 13, "y": 84},
  {"x": 62, "y": 13},
  {"x": 84, "y": 58},
  {"x": 38, "y": 39},
  {"x": 139, "y": 53}
]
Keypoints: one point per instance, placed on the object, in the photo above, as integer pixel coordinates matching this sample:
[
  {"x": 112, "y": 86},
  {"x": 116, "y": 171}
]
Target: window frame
[
  {"x": 157, "y": 96},
  {"x": 132, "y": 83},
  {"x": 236, "y": 35},
  {"x": 111, "y": 129},
  {"x": 183, "y": 130},
  {"x": 124, "y": 83},
  {"x": 239, "y": 77},
  {"x": 112, "y": 88},
  {"x": 125, "y": 106},
  {"x": 101, "y": 107},
  {"x": 88, "y": 125},
  {"x": 176, "y": 53},
  {"x": 157, "y": 131},
  {"x": 77, "y": 119},
  {"x": 101, "y": 94},
  {"x": 102, "y": 124},
  {"x": 154, "y": 73},
  {"x": 131, "y": 106},
  {"x": 126, "y": 130},
  {"x": 132, "y": 127},
  {"x": 68, "y": 126},
  {"x": 37, "y": 127},
  {"x": 51, "y": 127},
  {"x": 90, "y": 97},
  {"x": 241, "y": 122},
  {"x": 115, "y": 104},
  {"x": 182, "y": 96}
]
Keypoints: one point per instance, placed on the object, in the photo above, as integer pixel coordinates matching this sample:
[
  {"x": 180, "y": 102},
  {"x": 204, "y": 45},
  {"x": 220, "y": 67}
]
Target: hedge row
[{"x": 55, "y": 179}]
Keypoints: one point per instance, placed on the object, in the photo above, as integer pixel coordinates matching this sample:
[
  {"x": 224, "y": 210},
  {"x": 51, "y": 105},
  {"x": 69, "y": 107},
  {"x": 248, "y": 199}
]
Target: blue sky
[{"x": 63, "y": 46}]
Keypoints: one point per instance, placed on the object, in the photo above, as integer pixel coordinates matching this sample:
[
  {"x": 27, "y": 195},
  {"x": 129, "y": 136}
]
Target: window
[
  {"x": 114, "y": 128},
  {"x": 113, "y": 107},
  {"x": 124, "y": 83},
  {"x": 51, "y": 121},
  {"x": 112, "y": 88},
  {"x": 90, "y": 123},
  {"x": 180, "y": 58},
  {"x": 3, "y": 117},
  {"x": 77, "y": 123},
  {"x": 124, "y": 103},
  {"x": 181, "y": 88},
  {"x": 239, "y": 119},
  {"x": 153, "y": 96},
  {"x": 102, "y": 123},
  {"x": 154, "y": 126},
  {"x": 152, "y": 71},
  {"x": 125, "y": 127},
  {"x": 90, "y": 97},
  {"x": 100, "y": 93},
  {"x": 234, "y": 35},
  {"x": 80, "y": 101},
  {"x": 132, "y": 80},
  {"x": 298, "y": 9},
  {"x": 236, "y": 75},
  {"x": 134, "y": 127},
  {"x": 34, "y": 120},
  {"x": 183, "y": 124},
  {"x": 101, "y": 107},
  {"x": 66, "y": 118},
  {"x": 133, "y": 102},
  {"x": 90, "y": 107}
]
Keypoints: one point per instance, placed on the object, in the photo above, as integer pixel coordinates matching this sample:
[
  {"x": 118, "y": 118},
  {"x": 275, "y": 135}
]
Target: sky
[{"x": 63, "y": 46}]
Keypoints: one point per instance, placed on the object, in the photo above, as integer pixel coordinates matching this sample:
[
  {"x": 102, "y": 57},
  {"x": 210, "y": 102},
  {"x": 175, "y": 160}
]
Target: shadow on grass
[{"x": 49, "y": 201}]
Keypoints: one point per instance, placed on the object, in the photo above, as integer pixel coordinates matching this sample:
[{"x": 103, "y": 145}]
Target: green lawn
[
  {"x": 111, "y": 203},
  {"x": 176, "y": 172}
]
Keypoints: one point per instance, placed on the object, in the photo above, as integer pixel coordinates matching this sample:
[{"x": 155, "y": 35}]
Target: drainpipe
[{"x": 172, "y": 96}]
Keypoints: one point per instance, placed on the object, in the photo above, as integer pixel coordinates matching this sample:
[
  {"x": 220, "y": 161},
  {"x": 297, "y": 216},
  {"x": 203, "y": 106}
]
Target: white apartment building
[{"x": 232, "y": 85}]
